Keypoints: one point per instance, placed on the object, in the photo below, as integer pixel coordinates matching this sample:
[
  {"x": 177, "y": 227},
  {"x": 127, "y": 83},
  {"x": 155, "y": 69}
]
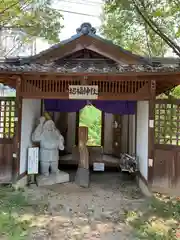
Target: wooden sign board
[
  {"x": 83, "y": 92},
  {"x": 33, "y": 160}
]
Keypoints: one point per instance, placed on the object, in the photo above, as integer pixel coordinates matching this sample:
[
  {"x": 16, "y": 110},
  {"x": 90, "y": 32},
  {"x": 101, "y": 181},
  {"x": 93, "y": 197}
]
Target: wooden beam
[
  {"x": 8, "y": 81},
  {"x": 154, "y": 75},
  {"x": 165, "y": 81}
]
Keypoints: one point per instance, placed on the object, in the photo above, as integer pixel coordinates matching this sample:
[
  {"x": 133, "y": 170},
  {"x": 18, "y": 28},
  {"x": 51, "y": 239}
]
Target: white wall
[
  {"x": 31, "y": 111},
  {"x": 142, "y": 136}
]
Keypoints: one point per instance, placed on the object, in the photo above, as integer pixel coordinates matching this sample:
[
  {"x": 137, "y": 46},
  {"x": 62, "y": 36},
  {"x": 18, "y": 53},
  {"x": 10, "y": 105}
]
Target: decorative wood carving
[{"x": 153, "y": 84}]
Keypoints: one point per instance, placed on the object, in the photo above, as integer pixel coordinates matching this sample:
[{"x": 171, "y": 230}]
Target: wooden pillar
[
  {"x": 82, "y": 174},
  {"x": 84, "y": 155},
  {"x": 124, "y": 134},
  {"x": 17, "y": 137},
  {"x": 151, "y": 138}
]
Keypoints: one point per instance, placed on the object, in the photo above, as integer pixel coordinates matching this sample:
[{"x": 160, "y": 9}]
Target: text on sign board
[{"x": 83, "y": 92}]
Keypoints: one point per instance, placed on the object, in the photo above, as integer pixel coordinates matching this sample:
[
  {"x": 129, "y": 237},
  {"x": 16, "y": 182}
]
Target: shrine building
[{"x": 87, "y": 70}]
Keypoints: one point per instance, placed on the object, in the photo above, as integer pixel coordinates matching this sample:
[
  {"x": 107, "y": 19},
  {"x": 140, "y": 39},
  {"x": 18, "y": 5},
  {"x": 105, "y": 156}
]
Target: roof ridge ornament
[{"x": 86, "y": 28}]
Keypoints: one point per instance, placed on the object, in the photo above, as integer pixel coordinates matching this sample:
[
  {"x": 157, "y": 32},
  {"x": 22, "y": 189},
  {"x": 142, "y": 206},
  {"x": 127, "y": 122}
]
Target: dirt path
[{"x": 94, "y": 213}]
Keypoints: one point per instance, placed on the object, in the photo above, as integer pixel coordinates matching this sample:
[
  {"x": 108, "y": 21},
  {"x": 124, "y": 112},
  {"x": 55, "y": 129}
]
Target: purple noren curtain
[
  {"x": 114, "y": 107},
  {"x": 56, "y": 105}
]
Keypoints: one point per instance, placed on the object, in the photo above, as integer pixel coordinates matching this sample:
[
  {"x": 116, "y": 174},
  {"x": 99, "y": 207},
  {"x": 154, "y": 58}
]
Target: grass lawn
[
  {"x": 17, "y": 215},
  {"x": 160, "y": 221},
  {"x": 11, "y": 205}
]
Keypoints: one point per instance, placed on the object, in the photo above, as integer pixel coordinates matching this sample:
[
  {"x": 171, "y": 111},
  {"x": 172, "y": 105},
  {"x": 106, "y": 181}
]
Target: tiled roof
[
  {"x": 29, "y": 64},
  {"x": 86, "y": 67}
]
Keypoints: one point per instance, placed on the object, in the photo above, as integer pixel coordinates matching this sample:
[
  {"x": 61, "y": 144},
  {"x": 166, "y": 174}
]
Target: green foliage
[
  {"x": 160, "y": 220},
  {"x": 91, "y": 118},
  {"x": 29, "y": 19},
  {"x": 123, "y": 24},
  {"x": 176, "y": 92},
  {"x": 11, "y": 225}
]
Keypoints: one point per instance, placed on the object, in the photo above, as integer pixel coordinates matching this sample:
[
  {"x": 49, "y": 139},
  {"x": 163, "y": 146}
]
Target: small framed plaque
[
  {"x": 98, "y": 167},
  {"x": 151, "y": 123},
  {"x": 33, "y": 160}
]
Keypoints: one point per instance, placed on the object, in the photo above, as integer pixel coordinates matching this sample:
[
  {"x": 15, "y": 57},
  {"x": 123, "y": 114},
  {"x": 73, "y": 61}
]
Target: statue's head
[{"x": 49, "y": 126}]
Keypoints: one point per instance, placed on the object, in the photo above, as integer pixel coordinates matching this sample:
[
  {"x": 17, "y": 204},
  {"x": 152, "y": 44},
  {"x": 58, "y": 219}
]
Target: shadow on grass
[
  {"x": 46, "y": 213},
  {"x": 160, "y": 220},
  {"x": 13, "y": 207}
]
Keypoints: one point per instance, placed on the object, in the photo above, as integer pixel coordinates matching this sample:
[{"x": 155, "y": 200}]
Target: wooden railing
[
  {"x": 117, "y": 87},
  {"x": 47, "y": 87}
]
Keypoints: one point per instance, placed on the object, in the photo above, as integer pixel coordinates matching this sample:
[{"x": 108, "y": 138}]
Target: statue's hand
[{"x": 42, "y": 120}]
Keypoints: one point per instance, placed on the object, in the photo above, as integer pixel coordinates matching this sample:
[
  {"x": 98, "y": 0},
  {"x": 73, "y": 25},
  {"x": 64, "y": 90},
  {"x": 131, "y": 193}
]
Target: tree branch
[
  {"x": 12, "y": 5},
  {"x": 22, "y": 8},
  {"x": 177, "y": 3},
  {"x": 146, "y": 33},
  {"x": 156, "y": 29},
  {"x": 16, "y": 27}
]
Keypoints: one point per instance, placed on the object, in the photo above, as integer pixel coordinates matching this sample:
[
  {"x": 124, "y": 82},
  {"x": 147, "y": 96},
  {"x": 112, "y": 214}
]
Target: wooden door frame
[
  {"x": 7, "y": 140},
  {"x": 162, "y": 148},
  {"x": 17, "y": 138},
  {"x": 151, "y": 132}
]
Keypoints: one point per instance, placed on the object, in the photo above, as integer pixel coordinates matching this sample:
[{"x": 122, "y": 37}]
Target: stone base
[
  {"x": 82, "y": 177},
  {"x": 21, "y": 183},
  {"x": 61, "y": 177}
]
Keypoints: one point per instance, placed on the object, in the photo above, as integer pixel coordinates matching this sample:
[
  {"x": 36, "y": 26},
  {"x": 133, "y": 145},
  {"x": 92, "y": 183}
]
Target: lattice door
[
  {"x": 167, "y": 123},
  {"x": 7, "y": 132},
  {"x": 166, "y": 170}
]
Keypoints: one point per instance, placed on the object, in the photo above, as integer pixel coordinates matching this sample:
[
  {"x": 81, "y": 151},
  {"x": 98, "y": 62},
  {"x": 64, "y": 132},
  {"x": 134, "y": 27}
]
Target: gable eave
[
  {"x": 90, "y": 42},
  {"x": 115, "y": 52},
  {"x": 140, "y": 58},
  {"x": 52, "y": 48}
]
